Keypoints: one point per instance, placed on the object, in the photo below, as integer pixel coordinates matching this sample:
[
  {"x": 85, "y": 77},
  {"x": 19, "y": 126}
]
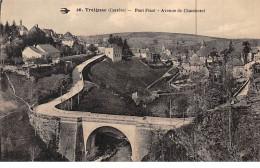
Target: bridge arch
[{"x": 90, "y": 130}]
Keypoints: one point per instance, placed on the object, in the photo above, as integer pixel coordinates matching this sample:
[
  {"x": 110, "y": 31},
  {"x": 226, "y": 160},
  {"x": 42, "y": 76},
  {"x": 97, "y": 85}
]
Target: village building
[
  {"x": 209, "y": 62},
  {"x": 68, "y": 41},
  {"x": 23, "y": 31},
  {"x": 166, "y": 51},
  {"x": 34, "y": 29},
  {"x": 203, "y": 52},
  {"x": 152, "y": 55},
  {"x": 253, "y": 55},
  {"x": 57, "y": 37},
  {"x": 105, "y": 39},
  {"x": 101, "y": 49},
  {"x": 48, "y": 32},
  {"x": 203, "y": 44},
  {"x": 237, "y": 68},
  {"x": 196, "y": 64},
  {"x": 44, "y": 51},
  {"x": 196, "y": 61},
  {"x": 256, "y": 53},
  {"x": 141, "y": 53},
  {"x": 175, "y": 61},
  {"x": 114, "y": 52}
]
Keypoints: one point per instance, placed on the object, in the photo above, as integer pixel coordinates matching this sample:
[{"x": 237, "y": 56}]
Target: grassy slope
[
  {"x": 43, "y": 90},
  {"x": 101, "y": 100},
  {"x": 125, "y": 77}
]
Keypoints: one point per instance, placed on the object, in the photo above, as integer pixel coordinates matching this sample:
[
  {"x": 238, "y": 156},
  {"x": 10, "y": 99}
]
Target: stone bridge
[{"x": 72, "y": 133}]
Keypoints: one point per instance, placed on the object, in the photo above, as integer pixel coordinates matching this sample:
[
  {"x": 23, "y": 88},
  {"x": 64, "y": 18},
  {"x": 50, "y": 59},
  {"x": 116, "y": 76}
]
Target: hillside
[
  {"x": 18, "y": 141},
  {"x": 173, "y": 41},
  {"x": 125, "y": 77},
  {"x": 117, "y": 82},
  {"x": 207, "y": 139}
]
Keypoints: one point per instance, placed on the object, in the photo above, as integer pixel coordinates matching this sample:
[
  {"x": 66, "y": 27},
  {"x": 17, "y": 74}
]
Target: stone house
[
  {"x": 114, "y": 52},
  {"x": 44, "y": 51}
]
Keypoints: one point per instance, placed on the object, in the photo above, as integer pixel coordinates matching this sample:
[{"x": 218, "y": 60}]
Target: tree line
[{"x": 126, "y": 51}]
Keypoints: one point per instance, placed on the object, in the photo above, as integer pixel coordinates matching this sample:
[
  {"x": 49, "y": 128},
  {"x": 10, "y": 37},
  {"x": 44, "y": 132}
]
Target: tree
[
  {"x": 37, "y": 36},
  {"x": 214, "y": 53},
  {"x": 7, "y": 29},
  {"x": 65, "y": 49},
  {"x": 111, "y": 39},
  {"x": 1, "y": 28},
  {"x": 77, "y": 48},
  {"x": 246, "y": 50},
  {"x": 231, "y": 47},
  {"x": 14, "y": 30},
  {"x": 167, "y": 147},
  {"x": 228, "y": 87},
  {"x": 92, "y": 48},
  {"x": 14, "y": 49},
  {"x": 118, "y": 40}
]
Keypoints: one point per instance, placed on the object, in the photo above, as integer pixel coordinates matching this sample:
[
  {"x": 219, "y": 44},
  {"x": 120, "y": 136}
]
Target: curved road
[{"x": 78, "y": 85}]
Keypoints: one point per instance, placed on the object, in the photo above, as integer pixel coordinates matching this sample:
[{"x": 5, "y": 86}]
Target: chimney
[
  {"x": 36, "y": 25},
  {"x": 21, "y": 22}
]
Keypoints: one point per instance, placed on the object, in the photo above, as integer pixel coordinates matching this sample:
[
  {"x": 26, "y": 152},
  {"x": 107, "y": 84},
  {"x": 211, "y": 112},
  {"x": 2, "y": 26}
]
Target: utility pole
[
  {"x": 196, "y": 19},
  {"x": 1, "y": 10},
  {"x": 71, "y": 103},
  {"x": 61, "y": 96},
  {"x": 170, "y": 107},
  {"x": 78, "y": 95}
]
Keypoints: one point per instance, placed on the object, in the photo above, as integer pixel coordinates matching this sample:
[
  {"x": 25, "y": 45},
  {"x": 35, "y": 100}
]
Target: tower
[
  {"x": 163, "y": 48},
  {"x": 203, "y": 44}
]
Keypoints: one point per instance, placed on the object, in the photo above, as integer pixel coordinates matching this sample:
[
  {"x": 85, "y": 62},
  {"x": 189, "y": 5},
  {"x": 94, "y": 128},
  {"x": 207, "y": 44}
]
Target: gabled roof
[
  {"x": 68, "y": 34},
  {"x": 113, "y": 46},
  {"x": 22, "y": 28},
  {"x": 48, "y": 31},
  {"x": 164, "y": 56},
  {"x": 203, "y": 52},
  {"x": 47, "y": 48},
  {"x": 34, "y": 29},
  {"x": 36, "y": 50}
]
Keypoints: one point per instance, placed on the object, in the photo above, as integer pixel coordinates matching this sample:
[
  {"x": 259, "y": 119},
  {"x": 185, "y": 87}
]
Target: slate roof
[
  {"x": 36, "y": 50},
  {"x": 22, "y": 28},
  {"x": 48, "y": 31},
  {"x": 47, "y": 48},
  {"x": 34, "y": 29},
  {"x": 68, "y": 34}
]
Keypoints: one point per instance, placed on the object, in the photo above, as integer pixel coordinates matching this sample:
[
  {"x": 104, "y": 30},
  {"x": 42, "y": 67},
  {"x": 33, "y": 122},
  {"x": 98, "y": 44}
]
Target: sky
[{"x": 223, "y": 18}]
